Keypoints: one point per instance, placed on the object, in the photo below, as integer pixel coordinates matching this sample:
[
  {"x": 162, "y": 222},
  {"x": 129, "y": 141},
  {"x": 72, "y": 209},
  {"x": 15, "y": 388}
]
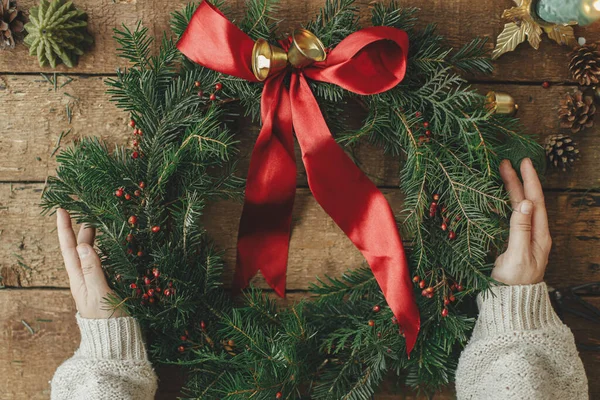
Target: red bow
[{"x": 370, "y": 61}]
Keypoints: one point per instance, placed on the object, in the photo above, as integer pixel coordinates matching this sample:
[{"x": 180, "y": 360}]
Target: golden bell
[
  {"x": 306, "y": 49},
  {"x": 501, "y": 103},
  {"x": 267, "y": 59}
]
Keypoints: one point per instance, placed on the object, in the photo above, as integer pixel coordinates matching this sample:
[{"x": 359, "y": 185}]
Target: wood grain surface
[
  {"x": 458, "y": 20},
  {"x": 29, "y": 139},
  {"x": 37, "y": 324},
  {"x": 318, "y": 247},
  {"x": 38, "y": 331}
]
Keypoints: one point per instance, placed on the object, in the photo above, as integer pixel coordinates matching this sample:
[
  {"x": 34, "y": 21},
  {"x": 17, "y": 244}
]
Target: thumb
[
  {"x": 91, "y": 268},
  {"x": 519, "y": 239}
]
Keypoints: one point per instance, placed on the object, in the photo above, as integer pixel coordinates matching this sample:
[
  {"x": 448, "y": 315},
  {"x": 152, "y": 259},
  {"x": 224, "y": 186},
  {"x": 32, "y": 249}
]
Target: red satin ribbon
[{"x": 370, "y": 61}]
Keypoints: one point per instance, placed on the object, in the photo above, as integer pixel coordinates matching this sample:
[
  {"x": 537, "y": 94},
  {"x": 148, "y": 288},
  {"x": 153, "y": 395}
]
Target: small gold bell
[
  {"x": 501, "y": 103},
  {"x": 306, "y": 49},
  {"x": 267, "y": 59}
]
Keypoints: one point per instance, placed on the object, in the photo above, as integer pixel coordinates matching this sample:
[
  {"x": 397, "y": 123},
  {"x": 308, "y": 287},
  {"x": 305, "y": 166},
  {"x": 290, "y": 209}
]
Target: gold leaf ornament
[
  {"x": 508, "y": 40},
  {"x": 523, "y": 23}
]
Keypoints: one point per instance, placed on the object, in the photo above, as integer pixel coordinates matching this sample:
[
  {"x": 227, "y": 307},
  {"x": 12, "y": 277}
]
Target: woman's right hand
[
  {"x": 86, "y": 277},
  {"x": 524, "y": 261}
]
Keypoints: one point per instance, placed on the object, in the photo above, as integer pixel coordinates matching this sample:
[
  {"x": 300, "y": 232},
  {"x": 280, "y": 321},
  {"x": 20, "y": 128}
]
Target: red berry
[
  {"x": 132, "y": 220},
  {"x": 546, "y": 84},
  {"x": 151, "y": 300},
  {"x": 451, "y": 298},
  {"x": 140, "y": 132},
  {"x": 418, "y": 114},
  {"x": 459, "y": 287},
  {"x": 129, "y": 251},
  {"x": 429, "y": 289},
  {"x": 168, "y": 292},
  {"x": 135, "y": 143},
  {"x": 444, "y": 226},
  {"x": 181, "y": 349},
  {"x": 278, "y": 395},
  {"x": 132, "y": 123},
  {"x": 424, "y": 292},
  {"x": 429, "y": 295},
  {"x": 183, "y": 338},
  {"x": 138, "y": 291},
  {"x": 416, "y": 278},
  {"x": 446, "y": 301},
  {"x": 133, "y": 286},
  {"x": 445, "y": 312},
  {"x": 436, "y": 196},
  {"x": 130, "y": 238},
  {"x": 422, "y": 284},
  {"x": 451, "y": 235},
  {"x": 155, "y": 272},
  {"x": 135, "y": 155},
  {"x": 150, "y": 292},
  {"x": 137, "y": 193},
  {"x": 127, "y": 196},
  {"x": 200, "y": 93},
  {"x": 371, "y": 322},
  {"x": 376, "y": 308},
  {"x": 426, "y": 124},
  {"x": 428, "y": 133},
  {"x": 202, "y": 325},
  {"x": 158, "y": 289},
  {"x": 136, "y": 131},
  {"x": 218, "y": 86},
  {"x": 379, "y": 335},
  {"x": 170, "y": 284},
  {"x": 147, "y": 280},
  {"x": 145, "y": 296},
  {"x": 212, "y": 97},
  {"x": 142, "y": 185},
  {"x": 119, "y": 193},
  {"x": 197, "y": 84},
  {"x": 156, "y": 229}
]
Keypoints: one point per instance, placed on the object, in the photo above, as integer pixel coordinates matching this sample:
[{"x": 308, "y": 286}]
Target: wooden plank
[
  {"x": 29, "y": 138},
  {"x": 30, "y": 255},
  {"x": 459, "y": 21},
  {"x": 28, "y": 360}
]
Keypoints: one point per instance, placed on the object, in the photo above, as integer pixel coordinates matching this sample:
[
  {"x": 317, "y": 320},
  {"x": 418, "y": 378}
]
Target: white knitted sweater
[
  {"x": 520, "y": 350},
  {"x": 110, "y": 364}
]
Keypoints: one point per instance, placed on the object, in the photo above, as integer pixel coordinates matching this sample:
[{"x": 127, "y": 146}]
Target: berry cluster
[
  {"x": 434, "y": 207},
  {"x": 426, "y": 137},
  {"x": 137, "y": 137},
  {"x": 447, "y": 287},
  {"x": 212, "y": 96}
]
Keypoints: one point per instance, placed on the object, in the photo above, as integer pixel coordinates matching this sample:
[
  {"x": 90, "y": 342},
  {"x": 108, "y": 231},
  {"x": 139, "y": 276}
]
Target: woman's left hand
[{"x": 86, "y": 277}]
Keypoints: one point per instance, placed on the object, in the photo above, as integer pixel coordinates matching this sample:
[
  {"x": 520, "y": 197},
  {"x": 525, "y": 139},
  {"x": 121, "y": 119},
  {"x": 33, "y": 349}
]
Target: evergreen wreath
[{"x": 147, "y": 202}]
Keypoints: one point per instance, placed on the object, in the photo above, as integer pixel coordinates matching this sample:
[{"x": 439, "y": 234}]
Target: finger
[
  {"x": 512, "y": 183},
  {"x": 68, "y": 244},
  {"x": 91, "y": 269},
  {"x": 86, "y": 235},
  {"x": 519, "y": 239},
  {"x": 534, "y": 192}
]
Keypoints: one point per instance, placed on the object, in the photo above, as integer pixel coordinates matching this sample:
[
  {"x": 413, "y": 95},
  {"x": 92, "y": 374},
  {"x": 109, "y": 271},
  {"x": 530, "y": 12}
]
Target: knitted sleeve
[
  {"x": 520, "y": 350},
  {"x": 111, "y": 363}
]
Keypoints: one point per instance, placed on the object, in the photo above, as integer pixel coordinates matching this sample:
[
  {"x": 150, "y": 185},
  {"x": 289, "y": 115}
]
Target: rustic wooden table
[{"x": 37, "y": 325}]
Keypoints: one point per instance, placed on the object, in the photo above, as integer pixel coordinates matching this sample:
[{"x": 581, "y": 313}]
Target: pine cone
[
  {"x": 561, "y": 151},
  {"x": 585, "y": 64},
  {"x": 11, "y": 23},
  {"x": 57, "y": 32},
  {"x": 577, "y": 111}
]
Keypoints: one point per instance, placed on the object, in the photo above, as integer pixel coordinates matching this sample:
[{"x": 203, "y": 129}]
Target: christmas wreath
[{"x": 148, "y": 200}]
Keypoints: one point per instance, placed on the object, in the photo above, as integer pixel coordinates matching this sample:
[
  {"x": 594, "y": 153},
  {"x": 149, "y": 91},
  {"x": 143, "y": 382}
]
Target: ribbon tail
[
  {"x": 356, "y": 206},
  {"x": 263, "y": 240}
]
